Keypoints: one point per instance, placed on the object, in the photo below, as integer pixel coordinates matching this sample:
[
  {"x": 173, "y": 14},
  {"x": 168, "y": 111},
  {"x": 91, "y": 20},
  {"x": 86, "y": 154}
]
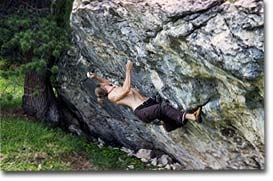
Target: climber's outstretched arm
[
  {"x": 127, "y": 82},
  {"x": 126, "y": 88},
  {"x": 100, "y": 79}
]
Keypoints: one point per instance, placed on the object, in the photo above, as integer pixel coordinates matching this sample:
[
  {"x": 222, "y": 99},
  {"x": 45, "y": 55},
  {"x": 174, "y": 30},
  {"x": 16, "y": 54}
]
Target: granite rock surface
[{"x": 198, "y": 52}]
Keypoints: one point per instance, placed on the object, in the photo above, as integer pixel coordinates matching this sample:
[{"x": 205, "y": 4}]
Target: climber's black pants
[{"x": 151, "y": 110}]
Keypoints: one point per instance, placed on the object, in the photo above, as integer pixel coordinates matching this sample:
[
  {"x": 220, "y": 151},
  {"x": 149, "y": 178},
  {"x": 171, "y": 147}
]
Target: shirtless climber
[{"x": 146, "y": 109}]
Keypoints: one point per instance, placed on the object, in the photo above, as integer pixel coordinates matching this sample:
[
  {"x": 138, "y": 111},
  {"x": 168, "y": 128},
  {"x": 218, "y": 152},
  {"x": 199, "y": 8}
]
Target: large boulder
[{"x": 198, "y": 52}]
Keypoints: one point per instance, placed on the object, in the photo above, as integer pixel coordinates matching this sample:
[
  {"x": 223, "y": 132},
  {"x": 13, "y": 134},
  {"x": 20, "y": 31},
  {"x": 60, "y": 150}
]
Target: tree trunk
[{"x": 39, "y": 99}]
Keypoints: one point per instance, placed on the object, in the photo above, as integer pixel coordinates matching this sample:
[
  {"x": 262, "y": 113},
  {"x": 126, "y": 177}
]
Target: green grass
[
  {"x": 11, "y": 91},
  {"x": 32, "y": 146},
  {"x": 28, "y": 145}
]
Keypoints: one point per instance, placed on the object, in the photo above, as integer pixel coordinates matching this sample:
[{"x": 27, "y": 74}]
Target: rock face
[{"x": 191, "y": 52}]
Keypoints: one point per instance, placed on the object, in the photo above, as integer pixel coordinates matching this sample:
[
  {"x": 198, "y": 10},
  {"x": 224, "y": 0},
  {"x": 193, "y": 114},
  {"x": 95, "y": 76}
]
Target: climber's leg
[
  {"x": 190, "y": 116},
  {"x": 180, "y": 117},
  {"x": 148, "y": 111},
  {"x": 170, "y": 114}
]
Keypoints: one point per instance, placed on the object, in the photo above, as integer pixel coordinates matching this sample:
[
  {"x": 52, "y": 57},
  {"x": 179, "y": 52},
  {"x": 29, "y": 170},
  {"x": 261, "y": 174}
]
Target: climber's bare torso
[{"x": 132, "y": 99}]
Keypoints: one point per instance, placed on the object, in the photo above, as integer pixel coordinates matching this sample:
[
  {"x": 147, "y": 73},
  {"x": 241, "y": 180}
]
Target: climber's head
[{"x": 101, "y": 93}]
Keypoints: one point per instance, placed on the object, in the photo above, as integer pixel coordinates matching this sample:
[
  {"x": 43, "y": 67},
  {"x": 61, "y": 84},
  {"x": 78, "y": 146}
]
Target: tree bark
[{"x": 39, "y": 99}]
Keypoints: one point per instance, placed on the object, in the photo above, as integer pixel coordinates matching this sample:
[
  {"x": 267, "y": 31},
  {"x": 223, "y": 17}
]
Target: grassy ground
[
  {"x": 28, "y": 145},
  {"x": 31, "y": 146}
]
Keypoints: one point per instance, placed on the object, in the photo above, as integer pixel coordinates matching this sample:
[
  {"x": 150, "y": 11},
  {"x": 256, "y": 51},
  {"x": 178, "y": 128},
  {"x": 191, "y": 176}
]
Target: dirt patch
[{"x": 77, "y": 161}]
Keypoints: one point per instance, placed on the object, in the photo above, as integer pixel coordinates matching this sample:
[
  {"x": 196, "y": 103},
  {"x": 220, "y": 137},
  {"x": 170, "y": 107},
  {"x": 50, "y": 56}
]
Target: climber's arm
[
  {"x": 126, "y": 85},
  {"x": 127, "y": 82},
  {"x": 94, "y": 76}
]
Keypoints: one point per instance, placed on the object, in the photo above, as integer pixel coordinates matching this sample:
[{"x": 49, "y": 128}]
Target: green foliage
[
  {"x": 35, "y": 64},
  {"x": 54, "y": 69},
  {"x": 32, "y": 41},
  {"x": 32, "y": 146},
  {"x": 62, "y": 11},
  {"x": 38, "y": 37},
  {"x": 3, "y": 64}
]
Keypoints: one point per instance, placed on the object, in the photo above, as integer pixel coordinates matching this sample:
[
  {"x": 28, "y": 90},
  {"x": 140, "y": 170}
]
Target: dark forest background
[{"x": 33, "y": 36}]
